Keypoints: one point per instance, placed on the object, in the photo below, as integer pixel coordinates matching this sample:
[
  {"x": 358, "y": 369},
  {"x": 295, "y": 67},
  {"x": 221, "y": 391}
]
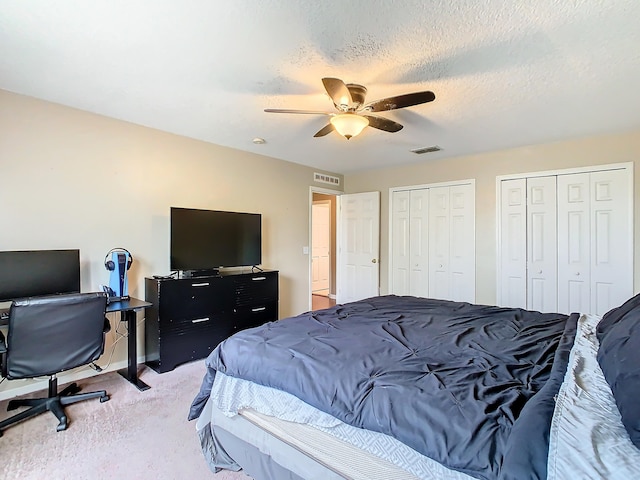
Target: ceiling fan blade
[
  {"x": 326, "y": 130},
  {"x": 383, "y": 124},
  {"x": 338, "y": 92},
  {"x": 305, "y": 112},
  {"x": 401, "y": 101}
]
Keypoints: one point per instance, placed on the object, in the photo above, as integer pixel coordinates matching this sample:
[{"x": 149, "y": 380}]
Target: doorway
[{"x": 323, "y": 249}]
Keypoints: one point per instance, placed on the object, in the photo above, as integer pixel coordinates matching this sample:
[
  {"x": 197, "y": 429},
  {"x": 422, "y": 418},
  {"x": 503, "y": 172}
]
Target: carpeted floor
[{"x": 135, "y": 435}]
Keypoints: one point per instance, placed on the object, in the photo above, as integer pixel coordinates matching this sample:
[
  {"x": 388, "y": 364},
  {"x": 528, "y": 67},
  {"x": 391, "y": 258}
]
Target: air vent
[
  {"x": 324, "y": 178},
  {"x": 420, "y": 151}
]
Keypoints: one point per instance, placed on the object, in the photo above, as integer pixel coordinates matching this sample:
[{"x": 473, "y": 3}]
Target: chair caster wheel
[
  {"x": 62, "y": 425},
  {"x": 104, "y": 399}
]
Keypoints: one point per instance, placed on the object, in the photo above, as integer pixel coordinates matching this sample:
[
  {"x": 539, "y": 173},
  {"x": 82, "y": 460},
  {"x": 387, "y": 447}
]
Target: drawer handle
[
  {"x": 258, "y": 278},
  {"x": 259, "y": 309},
  {"x": 199, "y": 320},
  {"x": 205, "y": 284}
]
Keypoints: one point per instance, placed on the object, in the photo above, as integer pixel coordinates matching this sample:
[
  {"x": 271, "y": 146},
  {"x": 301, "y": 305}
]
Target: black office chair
[{"x": 49, "y": 335}]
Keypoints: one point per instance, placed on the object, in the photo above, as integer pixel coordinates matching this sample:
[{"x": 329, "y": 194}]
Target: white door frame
[
  {"x": 325, "y": 191},
  {"x": 628, "y": 166},
  {"x": 327, "y": 233}
]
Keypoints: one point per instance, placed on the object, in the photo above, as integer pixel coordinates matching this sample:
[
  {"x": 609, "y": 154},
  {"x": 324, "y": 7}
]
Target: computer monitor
[{"x": 32, "y": 273}]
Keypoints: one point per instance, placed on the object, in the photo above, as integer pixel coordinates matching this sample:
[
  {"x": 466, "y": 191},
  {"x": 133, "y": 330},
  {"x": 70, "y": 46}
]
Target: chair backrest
[{"x": 55, "y": 333}]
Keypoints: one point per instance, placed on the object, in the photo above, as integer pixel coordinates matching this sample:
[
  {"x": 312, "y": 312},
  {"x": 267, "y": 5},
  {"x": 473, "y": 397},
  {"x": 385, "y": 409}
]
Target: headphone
[{"x": 110, "y": 265}]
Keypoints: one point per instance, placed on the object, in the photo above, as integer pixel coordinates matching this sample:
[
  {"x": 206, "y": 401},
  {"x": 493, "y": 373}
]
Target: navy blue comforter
[{"x": 470, "y": 386}]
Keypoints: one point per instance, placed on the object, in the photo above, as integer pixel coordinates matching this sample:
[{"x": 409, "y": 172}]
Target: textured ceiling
[{"x": 505, "y": 73}]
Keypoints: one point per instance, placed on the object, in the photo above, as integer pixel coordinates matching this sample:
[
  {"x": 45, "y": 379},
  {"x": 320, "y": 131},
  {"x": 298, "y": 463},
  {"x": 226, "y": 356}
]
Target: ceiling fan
[{"x": 353, "y": 114}]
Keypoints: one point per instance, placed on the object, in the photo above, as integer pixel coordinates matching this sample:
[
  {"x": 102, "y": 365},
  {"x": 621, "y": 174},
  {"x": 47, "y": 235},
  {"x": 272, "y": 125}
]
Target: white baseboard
[{"x": 13, "y": 389}]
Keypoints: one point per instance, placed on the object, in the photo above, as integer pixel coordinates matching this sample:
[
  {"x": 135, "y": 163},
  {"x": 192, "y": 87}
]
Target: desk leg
[{"x": 131, "y": 372}]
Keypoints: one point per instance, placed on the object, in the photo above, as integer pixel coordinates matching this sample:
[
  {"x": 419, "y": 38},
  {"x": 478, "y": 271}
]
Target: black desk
[{"x": 127, "y": 309}]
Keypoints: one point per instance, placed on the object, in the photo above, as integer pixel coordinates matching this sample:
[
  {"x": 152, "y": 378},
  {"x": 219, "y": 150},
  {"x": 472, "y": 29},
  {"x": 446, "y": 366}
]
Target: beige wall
[
  {"x": 484, "y": 168},
  {"x": 71, "y": 179}
]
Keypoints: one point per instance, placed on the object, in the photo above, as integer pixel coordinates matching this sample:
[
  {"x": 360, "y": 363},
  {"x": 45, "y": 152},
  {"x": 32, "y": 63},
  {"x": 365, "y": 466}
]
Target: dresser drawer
[
  {"x": 193, "y": 298},
  {"x": 252, "y": 316},
  {"x": 187, "y": 344},
  {"x": 216, "y": 320},
  {"x": 255, "y": 289}
]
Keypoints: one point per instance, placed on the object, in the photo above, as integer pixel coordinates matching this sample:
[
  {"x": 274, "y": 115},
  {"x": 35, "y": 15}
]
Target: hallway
[{"x": 318, "y": 302}]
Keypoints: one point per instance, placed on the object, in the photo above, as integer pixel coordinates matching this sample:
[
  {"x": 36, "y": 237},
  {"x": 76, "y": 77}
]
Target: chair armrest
[
  {"x": 106, "y": 328},
  {"x": 3, "y": 345}
]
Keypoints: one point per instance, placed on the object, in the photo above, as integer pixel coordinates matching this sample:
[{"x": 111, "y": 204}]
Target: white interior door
[
  {"x": 585, "y": 221},
  {"x": 400, "y": 243},
  {"x": 574, "y": 246},
  {"x": 452, "y": 243},
  {"x": 611, "y": 236},
  {"x": 358, "y": 246},
  {"x": 410, "y": 242},
  {"x": 320, "y": 246},
  {"x": 419, "y": 243},
  {"x": 439, "y": 239},
  {"x": 513, "y": 243},
  {"x": 542, "y": 244},
  {"x": 462, "y": 243}
]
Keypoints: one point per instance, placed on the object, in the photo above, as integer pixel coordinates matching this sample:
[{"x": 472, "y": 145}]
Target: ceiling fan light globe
[{"x": 349, "y": 124}]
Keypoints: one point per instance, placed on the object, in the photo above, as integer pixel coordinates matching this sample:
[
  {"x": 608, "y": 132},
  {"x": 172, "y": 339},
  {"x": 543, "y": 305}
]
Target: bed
[{"x": 407, "y": 387}]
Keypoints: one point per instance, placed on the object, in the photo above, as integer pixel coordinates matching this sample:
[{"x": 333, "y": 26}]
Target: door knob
[
  {"x": 577, "y": 274},
  {"x": 373, "y": 261},
  {"x": 539, "y": 272}
]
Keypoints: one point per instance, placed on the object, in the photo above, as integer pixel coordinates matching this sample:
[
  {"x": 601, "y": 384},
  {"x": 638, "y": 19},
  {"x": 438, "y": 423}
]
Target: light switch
[{"x": 305, "y": 250}]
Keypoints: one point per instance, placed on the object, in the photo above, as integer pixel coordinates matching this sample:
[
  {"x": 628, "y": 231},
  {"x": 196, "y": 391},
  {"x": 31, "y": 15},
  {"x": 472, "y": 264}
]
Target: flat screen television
[
  {"x": 206, "y": 240},
  {"x": 33, "y": 273}
]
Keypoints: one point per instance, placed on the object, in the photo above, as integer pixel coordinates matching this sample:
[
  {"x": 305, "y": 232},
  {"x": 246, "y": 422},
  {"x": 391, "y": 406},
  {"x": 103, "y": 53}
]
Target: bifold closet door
[
  {"x": 513, "y": 243},
  {"x": 574, "y": 249},
  {"x": 400, "y": 232},
  {"x": 528, "y": 240},
  {"x": 409, "y": 230},
  {"x": 542, "y": 244},
  {"x": 452, "y": 243},
  {"x": 419, "y": 242},
  {"x": 595, "y": 271}
]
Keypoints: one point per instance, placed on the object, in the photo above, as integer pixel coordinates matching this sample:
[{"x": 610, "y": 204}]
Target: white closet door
[
  {"x": 513, "y": 243},
  {"x": 462, "y": 243},
  {"x": 419, "y": 242},
  {"x": 611, "y": 231},
  {"x": 439, "y": 239},
  {"x": 574, "y": 245},
  {"x": 542, "y": 283},
  {"x": 400, "y": 241},
  {"x": 452, "y": 243}
]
